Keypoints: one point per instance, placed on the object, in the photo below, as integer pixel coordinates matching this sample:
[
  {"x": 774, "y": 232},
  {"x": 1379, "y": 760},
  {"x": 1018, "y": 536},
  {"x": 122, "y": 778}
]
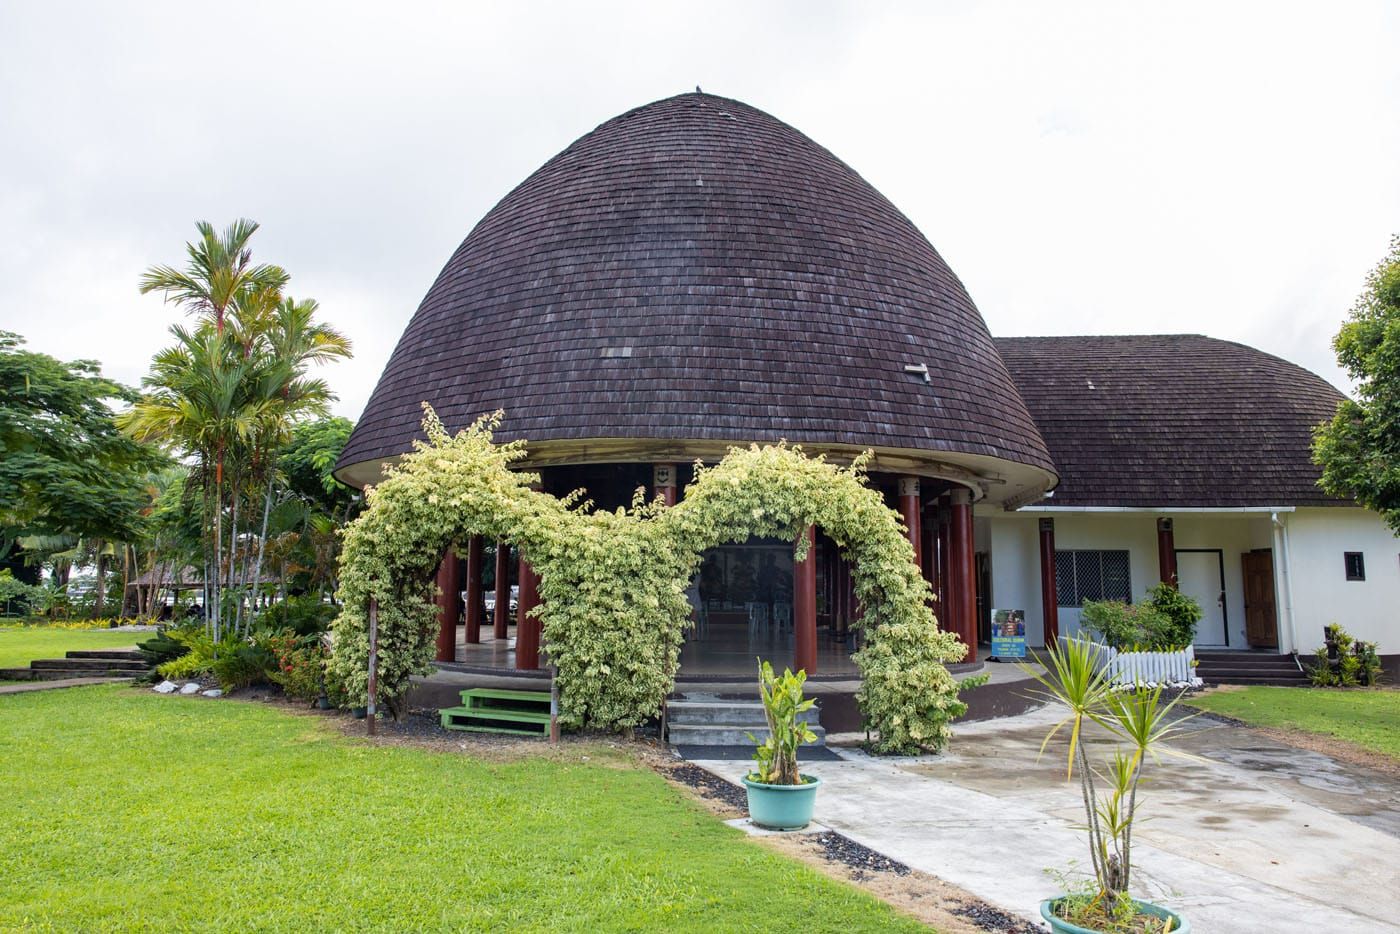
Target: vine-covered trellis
[{"x": 612, "y": 583}]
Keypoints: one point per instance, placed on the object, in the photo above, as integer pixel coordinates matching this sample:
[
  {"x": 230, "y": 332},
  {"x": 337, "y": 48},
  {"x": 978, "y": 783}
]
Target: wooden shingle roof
[
  {"x": 696, "y": 269},
  {"x": 1176, "y": 420}
]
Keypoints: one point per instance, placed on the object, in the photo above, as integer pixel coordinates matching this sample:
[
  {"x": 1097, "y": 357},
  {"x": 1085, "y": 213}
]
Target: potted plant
[
  {"x": 780, "y": 797},
  {"x": 1140, "y": 723}
]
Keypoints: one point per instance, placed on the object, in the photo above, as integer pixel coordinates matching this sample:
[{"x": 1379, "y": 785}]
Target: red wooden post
[
  {"x": 1049, "y": 598},
  {"x": 474, "y": 594},
  {"x": 962, "y": 566},
  {"x": 527, "y": 627},
  {"x": 663, "y": 483},
  {"x": 804, "y": 607},
  {"x": 500, "y": 618},
  {"x": 946, "y": 618},
  {"x": 448, "y": 600},
  {"x": 1166, "y": 551},
  {"x": 910, "y": 511}
]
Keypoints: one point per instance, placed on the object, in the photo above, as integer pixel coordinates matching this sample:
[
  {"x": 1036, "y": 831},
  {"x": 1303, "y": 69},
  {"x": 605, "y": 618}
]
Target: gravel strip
[
  {"x": 994, "y": 919},
  {"x": 842, "y": 849},
  {"x": 710, "y": 785}
]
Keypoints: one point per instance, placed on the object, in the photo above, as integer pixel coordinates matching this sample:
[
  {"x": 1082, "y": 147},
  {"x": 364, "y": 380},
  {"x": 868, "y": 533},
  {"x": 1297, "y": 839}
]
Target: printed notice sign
[{"x": 1008, "y": 633}]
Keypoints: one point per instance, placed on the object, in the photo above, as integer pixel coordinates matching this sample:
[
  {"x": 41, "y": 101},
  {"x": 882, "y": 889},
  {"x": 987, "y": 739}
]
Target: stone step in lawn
[
  {"x": 132, "y": 655},
  {"x": 77, "y": 664},
  {"x": 60, "y": 674}
]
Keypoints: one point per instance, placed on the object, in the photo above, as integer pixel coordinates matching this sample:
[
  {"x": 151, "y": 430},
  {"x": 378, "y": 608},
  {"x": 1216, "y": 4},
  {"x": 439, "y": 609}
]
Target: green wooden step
[
  {"x": 521, "y": 722},
  {"x": 497, "y": 700}
]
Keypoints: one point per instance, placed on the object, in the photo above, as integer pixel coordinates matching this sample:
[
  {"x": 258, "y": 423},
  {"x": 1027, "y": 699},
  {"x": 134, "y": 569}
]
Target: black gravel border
[
  {"x": 710, "y": 785},
  {"x": 994, "y": 919},
  {"x": 839, "y": 848}
]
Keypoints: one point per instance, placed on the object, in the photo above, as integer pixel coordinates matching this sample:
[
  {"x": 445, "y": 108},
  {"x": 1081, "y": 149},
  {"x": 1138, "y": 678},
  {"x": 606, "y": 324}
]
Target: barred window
[{"x": 1092, "y": 575}]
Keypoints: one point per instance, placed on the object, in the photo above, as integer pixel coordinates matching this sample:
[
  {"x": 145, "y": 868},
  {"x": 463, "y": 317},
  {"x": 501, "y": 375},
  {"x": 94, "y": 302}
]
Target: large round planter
[
  {"x": 1179, "y": 924},
  {"x": 782, "y": 807}
]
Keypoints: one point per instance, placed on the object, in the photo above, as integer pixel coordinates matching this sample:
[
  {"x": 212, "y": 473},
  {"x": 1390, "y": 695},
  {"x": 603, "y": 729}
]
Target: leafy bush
[
  {"x": 1165, "y": 622},
  {"x": 244, "y": 665},
  {"x": 234, "y": 662},
  {"x": 613, "y": 583},
  {"x": 189, "y": 665},
  {"x": 305, "y": 616},
  {"x": 301, "y": 667},
  {"x": 16, "y": 597},
  {"x": 161, "y": 648},
  {"x": 1357, "y": 662},
  {"x": 1181, "y": 614}
]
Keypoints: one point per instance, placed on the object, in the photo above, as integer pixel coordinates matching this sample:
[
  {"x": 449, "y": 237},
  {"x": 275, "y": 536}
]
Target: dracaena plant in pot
[
  {"x": 780, "y": 797},
  {"x": 1139, "y": 722}
]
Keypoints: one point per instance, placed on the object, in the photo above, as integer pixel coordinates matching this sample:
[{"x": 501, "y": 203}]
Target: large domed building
[{"x": 696, "y": 274}]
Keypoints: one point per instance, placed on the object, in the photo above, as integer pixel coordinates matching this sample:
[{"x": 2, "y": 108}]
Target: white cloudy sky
[{"x": 1225, "y": 168}]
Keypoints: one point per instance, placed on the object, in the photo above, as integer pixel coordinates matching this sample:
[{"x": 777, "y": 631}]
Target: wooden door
[{"x": 1260, "y": 612}]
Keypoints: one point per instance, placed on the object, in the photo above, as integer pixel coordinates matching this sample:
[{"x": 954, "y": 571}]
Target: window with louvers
[{"x": 1092, "y": 575}]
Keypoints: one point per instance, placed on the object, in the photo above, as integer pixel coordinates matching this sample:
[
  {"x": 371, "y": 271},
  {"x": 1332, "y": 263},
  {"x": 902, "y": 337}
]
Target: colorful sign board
[{"x": 1008, "y": 633}]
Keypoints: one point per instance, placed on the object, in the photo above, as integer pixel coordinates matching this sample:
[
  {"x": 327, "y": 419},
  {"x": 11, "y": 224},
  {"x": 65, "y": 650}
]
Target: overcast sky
[{"x": 1231, "y": 169}]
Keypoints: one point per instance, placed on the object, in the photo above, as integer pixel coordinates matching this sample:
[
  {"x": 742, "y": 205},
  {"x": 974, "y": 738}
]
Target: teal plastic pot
[
  {"x": 1179, "y": 924},
  {"x": 782, "y": 807}
]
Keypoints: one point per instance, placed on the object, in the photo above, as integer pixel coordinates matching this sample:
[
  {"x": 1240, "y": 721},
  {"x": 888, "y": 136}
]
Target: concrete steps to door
[
  {"x": 91, "y": 663},
  {"x": 1241, "y": 667},
  {"x": 712, "y": 720}
]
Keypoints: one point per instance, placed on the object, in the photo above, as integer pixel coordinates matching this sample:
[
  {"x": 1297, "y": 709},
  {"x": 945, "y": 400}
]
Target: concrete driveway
[{"x": 1253, "y": 836}]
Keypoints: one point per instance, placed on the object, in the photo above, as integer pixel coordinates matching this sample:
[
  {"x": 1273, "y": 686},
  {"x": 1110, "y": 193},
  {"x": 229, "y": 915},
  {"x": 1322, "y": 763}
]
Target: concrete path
[
  {"x": 24, "y": 687},
  {"x": 1252, "y": 836}
]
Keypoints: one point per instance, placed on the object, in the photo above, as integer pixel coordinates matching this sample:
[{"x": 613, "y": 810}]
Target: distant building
[{"x": 695, "y": 274}]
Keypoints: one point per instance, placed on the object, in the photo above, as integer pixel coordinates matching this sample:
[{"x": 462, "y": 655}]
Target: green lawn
[
  {"x": 1367, "y": 718},
  {"x": 124, "y": 809},
  {"x": 20, "y": 646}
]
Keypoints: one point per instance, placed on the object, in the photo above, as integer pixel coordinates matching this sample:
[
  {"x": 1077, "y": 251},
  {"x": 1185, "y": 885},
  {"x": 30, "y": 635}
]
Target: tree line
[{"x": 215, "y": 476}]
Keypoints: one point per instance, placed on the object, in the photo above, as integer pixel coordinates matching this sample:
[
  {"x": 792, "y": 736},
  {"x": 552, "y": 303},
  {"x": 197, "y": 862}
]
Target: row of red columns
[
  {"x": 455, "y": 575},
  {"x": 945, "y": 558}
]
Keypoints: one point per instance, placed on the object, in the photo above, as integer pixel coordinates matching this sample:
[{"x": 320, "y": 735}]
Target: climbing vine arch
[{"x": 612, "y": 583}]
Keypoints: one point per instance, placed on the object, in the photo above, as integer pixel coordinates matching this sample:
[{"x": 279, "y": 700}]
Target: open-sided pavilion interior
[{"x": 750, "y": 598}]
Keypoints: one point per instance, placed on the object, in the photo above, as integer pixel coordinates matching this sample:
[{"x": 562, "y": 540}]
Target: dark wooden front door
[{"x": 1260, "y": 612}]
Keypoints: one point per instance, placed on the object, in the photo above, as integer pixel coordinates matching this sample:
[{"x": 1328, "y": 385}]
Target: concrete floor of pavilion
[{"x": 1253, "y": 836}]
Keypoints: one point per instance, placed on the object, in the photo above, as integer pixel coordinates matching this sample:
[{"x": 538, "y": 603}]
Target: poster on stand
[{"x": 1008, "y": 634}]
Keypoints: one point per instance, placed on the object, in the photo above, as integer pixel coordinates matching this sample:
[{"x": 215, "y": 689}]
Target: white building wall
[
  {"x": 1317, "y": 539},
  {"x": 1013, "y": 542}
]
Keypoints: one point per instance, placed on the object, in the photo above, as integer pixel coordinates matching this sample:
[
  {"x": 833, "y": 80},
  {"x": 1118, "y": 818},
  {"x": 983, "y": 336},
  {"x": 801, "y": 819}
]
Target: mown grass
[
  {"x": 21, "y": 645},
  {"x": 124, "y": 809},
  {"x": 1368, "y": 718}
]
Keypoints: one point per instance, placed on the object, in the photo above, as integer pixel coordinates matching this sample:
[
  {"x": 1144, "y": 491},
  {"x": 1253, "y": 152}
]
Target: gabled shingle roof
[
  {"x": 696, "y": 269},
  {"x": 1172, "y": 420}
]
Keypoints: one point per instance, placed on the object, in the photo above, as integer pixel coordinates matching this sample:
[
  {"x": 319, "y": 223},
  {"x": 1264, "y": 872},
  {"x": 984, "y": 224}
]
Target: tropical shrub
[
  {"x": 1164, "y": 622},
  {"x": 304, "y": 615},
  {"x": 775, "y": 759},
  {"x": 613, "y": 583},
  {"x": 161, "y": 648},
  {"x": 16, "y": 597},
  {"x": 300, "y": 668},
  {"x": 244, "y": 664},
  {"x": 1180, "y": 614},
  {"x": 1357, "y": 663}
]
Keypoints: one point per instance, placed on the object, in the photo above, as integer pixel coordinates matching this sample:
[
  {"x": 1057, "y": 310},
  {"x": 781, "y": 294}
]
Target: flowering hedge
[{"x": 613, "y": 584}]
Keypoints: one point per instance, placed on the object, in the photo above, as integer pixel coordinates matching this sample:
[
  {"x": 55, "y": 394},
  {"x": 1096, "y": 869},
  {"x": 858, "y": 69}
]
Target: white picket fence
[{"x": 1174, "y": 669}]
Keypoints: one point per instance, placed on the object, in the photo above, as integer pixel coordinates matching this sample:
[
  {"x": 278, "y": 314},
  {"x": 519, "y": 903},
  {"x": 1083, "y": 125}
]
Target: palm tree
[
  {"x": 229, "y": 392},
  {"x": 219, "y": 275}
]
